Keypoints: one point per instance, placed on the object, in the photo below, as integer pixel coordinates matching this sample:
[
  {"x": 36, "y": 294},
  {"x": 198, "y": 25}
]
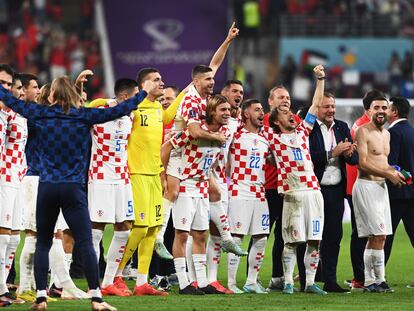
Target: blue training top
[{"x": 63, "y": 140}]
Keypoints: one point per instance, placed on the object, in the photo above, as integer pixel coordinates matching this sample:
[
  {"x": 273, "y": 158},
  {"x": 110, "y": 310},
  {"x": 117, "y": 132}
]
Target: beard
[{"x": 379, "y": 123}]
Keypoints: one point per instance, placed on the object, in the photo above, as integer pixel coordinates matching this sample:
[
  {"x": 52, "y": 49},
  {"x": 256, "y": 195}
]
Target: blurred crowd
[{"x": 38, "y": 36}]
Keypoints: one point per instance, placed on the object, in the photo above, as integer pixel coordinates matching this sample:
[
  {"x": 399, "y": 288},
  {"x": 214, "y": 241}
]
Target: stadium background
[{"x": 363, "y": 43}]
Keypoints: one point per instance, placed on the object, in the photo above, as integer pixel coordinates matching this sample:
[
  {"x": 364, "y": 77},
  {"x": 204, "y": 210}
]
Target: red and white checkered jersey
[
  {"x": 219, "y": 170},
  {"x": 13, "y": 159},
  {"x": 293, "y": 160},
  {"x": 248, "y": 154},
  {"x": 193, "y": 107},
  {"x": 109, "y": 158},
  {"x": 197, "y": 158},
  {"x": 3, "y": 127}
]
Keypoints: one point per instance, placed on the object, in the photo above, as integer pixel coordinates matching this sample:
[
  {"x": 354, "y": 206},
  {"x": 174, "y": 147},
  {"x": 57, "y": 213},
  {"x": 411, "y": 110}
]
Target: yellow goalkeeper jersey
[{"x": 144, "y": 144}]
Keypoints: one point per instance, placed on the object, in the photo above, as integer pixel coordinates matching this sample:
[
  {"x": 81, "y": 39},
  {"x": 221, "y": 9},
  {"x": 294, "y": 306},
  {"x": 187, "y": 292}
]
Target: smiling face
[
  {"x": 221, "y": 114},
  {"x": 204, "y": 83},
  {"x": 326, "y": 112},
  {"x": 279, "y": 98},
  {"x": 167, "y": 98},
  {"x": 159, "y": 90},
  {"x": 379, "y": 110}
]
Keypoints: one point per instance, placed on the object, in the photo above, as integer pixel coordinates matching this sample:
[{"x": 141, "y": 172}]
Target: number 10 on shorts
[{"x": 316, "y": 227}]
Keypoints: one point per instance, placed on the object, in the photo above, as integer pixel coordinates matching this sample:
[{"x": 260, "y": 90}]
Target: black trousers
[
  {"x": 72, "y": 199},
  {"x": 333, "y": 197},
  {"x": 400, "y": 210},
  {"x": 357, "y": 247}
]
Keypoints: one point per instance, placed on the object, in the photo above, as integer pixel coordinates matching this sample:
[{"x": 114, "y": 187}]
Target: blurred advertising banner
[
  {"x": 361, "y": 54},
  {"x": 172, "y": 36}
]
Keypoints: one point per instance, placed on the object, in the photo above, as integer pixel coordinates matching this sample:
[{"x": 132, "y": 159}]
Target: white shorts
[
  {"x": 302, "y": 216},
  {"x": 110, "y": 203},
  {"x": 8, "y": 197},
  {"x": 28, "y": 194},
  {"x": 174, "y": 164},
  {"x": 248, "y": 216},
  {"x": 371, "y": 208},
  {"x": 191, "y": 213}
]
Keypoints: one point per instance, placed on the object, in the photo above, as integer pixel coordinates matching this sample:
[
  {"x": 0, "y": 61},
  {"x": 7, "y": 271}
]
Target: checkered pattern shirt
[
  {"x": 293, "y": 160},
  {"x": 248, "y": 154},
  {"x": 193, "y": 107},
  {"x": 3, "y": 128},
  {"x": 13, "y": 159},
  {"x": 109, "y": 155},
  {"x": 219, "y": 170},
  {"x": 197, "y": 158},
  {"x": 64, "y": 140}
]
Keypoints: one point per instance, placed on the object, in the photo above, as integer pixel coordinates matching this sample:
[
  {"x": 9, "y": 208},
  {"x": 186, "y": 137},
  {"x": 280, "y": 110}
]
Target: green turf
[{"x": 399, "y": 272}]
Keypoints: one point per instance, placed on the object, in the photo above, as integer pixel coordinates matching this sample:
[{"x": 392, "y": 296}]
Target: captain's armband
[{"x": 310, "y": 118}]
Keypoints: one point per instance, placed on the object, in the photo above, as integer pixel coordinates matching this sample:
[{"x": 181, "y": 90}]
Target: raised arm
[
  {"x": 96, "y": 115},
  {"x": 319, "y": 73},
  {"x": 218, "y": 57}
]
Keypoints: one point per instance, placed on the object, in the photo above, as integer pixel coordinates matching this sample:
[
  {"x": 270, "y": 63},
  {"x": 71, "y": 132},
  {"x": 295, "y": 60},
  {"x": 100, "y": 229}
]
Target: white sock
[
  {"x": 26, "y": 264},
  {"x": 378, "y": 261},
  {"x": 141, "y": 279},
  {"x": 4, "y": 241},
  {"x": 213, "y": 257},
  {"x": 289, "y": 261},
  {"x": 58, "y": 267},
  {"x": 233, "y": 265},
  {"x": 96, "y": 240},
  {"x": 95, "y": 293},
  {"x": 200, "y": 267},
  {"x": 311, "y": 261},
  {"x": 166, "y": 205},
  {"x": 189, "y": 258},
  {"x": 219, "y": 217},
  {"x": 180, "y": 269},
  {"x": 41, "y": 293},
  {"x": 256, "y": 256},
  {"x": 115, "y": 252},
  {"x": 11, "y": 251},
  {"x": 68, "y": 260},
  {"x": 368, "y": 267}
]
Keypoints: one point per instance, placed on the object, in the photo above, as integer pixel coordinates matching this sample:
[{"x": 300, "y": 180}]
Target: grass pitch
[{"x": 399, "y": 271}]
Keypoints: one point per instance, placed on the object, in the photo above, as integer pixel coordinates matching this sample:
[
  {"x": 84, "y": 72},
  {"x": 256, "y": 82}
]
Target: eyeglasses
[{"x": 6, "y": 82}]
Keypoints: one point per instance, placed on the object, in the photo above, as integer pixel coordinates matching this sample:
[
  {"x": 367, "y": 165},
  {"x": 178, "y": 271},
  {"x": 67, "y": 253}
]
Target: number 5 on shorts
[{"x": 130, "y": 210}]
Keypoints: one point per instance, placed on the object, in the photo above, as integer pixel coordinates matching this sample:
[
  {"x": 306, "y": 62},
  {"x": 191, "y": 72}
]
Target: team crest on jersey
[
  {"x": 100, "y": 213},
  {"x": 142, "y": 216},
  {"x": 192, "y": 113}
]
